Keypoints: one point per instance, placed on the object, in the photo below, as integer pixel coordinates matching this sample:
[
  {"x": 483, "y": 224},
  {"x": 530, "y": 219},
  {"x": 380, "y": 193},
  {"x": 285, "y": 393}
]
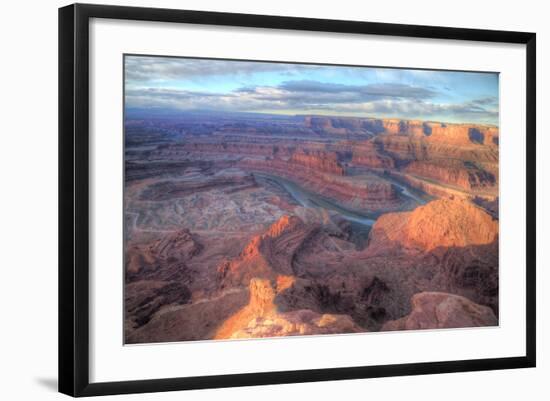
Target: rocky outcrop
[
  {"x": 440, "y": 223},
  {"x": 436, "y": 310},
  {"x": 326, "y": 162},
  {"x": 442, "y": 190},
  {"x": 404, "y": 127},
  {"x": 268, "y": 255},
  {"x": 181, "y": 322},
  {"x": 365, "y": 297},
  {"x": 404, "y": 148},
  {"x": 143, "y": 299},
  {"x": 453, "y": 243},
  {"x": 342, "y": 125},
  {"x": 162, "y": 259},
  {"x": 324, "y": 125},
  {"x": 260, "y": 318},
  {"x": 283, "y": 256},
  {"x": 454, "y": 172},
  {"x": 157, "y": 274},
  {"x": 457, "y": 134},
  {"x": 366, "y": 154},
  {"x": 439, "y": 159}
]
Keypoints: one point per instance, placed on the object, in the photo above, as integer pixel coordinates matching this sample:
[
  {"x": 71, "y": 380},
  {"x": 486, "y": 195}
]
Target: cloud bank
[{"x": 200, "y": 84}]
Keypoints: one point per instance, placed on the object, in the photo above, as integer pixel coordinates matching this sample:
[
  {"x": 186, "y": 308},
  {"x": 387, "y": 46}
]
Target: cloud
[
  {"x": 486, "y": 101},
  {"x": 183, "y": 99},
  {"x": 315, "y": 86},
  {"x": 303, "y": 96},
  {"x": 424, "y": 110},
  {"x": 144, "y": 69},
  {"x": 371, "y": 90},
  {"x": 308, "y": 94}
]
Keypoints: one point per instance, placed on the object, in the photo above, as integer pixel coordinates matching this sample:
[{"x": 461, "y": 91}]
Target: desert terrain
[{"x": 242, "y": 225}]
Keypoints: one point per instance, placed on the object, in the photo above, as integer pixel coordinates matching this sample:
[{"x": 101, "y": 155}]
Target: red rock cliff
[
  {"x": 317, "y": 160},
  {"x": 440, "y": 223}
]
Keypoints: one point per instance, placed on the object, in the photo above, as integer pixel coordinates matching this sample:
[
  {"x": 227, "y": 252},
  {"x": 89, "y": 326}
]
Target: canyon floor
[{"x": 247, "y": 226}]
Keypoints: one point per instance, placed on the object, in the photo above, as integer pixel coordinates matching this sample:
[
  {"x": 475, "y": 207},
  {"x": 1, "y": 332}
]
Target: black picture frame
[{"x": 74, "y": 201}]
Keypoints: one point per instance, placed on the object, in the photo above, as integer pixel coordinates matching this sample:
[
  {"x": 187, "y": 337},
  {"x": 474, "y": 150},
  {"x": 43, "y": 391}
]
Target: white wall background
[{"x": 28, "y": 200}]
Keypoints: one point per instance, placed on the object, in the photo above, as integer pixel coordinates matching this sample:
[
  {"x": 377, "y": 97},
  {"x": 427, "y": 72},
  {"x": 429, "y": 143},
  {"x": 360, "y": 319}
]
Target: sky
[{"x": 297, "y": 89}]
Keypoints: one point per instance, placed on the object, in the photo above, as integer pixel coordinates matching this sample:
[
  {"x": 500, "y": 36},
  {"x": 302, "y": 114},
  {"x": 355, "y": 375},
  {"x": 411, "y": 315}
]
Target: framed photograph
[{"x": 250, "y": 199}]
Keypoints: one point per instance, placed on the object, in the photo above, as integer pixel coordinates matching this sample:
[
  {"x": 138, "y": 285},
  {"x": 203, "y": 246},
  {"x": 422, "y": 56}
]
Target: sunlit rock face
[
  {"x": 436, "y": 310},
  {"x": 454, "y": 242},
  {"x": 458, "y": 134},
  {"x": 317, "y": 160},
  {"x": 260, "y": 318},
  {"x": 267, "y": 255},
  {"x": 441, "y": 223}
]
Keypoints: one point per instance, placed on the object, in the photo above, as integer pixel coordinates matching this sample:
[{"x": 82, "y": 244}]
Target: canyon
[{"x": 249, "y": 226}]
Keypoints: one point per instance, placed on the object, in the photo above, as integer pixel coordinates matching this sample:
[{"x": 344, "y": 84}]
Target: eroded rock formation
[
  {"x": 317, "y": 160},
  {"x": 440, "y": 223},
  {"x": 268, "y": 255},
  {"x": 453, "y": 242},
  {"x": 436, "y": 310},
  {"x": 260, "y": 318},
  {"x": 461, "y": 174},
  {"x": 162, "y": 259}
]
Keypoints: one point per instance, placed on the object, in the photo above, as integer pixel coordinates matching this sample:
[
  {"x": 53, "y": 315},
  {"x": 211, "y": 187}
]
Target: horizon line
[{"x": 369, "y": 117}]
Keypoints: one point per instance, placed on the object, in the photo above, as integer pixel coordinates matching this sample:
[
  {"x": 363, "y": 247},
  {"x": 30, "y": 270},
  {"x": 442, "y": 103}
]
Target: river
[
  {"x": 306, "y": 198},
  {"x": 405, "y": 191}
]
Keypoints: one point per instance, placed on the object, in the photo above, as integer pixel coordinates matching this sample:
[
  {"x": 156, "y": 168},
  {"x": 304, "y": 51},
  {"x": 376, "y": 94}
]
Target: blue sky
[{"x": 242, "y": 86}]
